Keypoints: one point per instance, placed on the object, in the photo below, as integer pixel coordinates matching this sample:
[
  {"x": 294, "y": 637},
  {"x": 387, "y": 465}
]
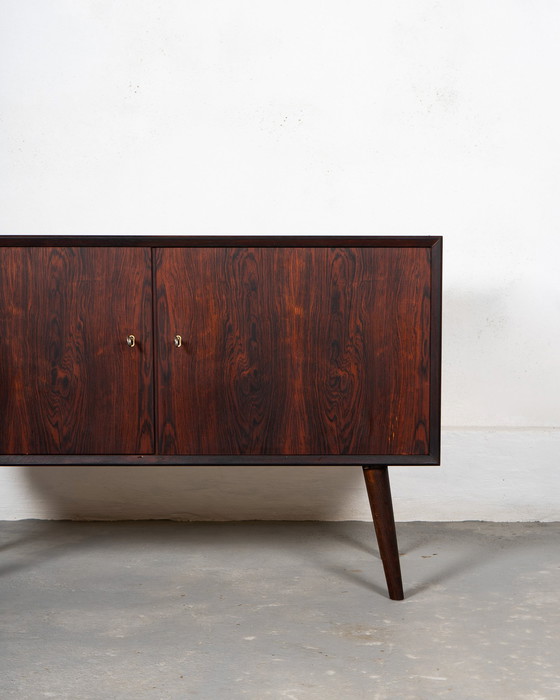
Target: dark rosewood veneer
[{"x": 224, "y": 350}]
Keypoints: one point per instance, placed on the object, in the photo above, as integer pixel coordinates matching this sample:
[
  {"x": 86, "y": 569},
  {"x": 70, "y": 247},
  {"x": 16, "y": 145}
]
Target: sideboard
[{"x": 230, "y": 350}]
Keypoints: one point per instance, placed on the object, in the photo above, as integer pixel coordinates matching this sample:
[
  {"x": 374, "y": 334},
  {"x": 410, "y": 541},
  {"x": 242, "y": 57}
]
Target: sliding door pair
[{"x": 201, "y": 351}]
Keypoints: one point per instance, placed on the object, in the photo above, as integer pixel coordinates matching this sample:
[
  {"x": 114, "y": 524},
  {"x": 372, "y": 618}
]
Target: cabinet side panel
[{"x": 69, "y": 382}]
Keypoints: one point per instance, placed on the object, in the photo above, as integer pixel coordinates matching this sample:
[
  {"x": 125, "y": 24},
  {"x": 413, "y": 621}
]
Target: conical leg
[{"x": 379, "y": 493}]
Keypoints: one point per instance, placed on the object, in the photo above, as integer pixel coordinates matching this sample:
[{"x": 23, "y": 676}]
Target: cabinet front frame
[{"x": 432, "y": 242}]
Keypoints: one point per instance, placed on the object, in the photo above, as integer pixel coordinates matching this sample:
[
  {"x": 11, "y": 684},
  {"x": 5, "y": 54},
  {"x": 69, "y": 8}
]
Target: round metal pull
[
  {"x": 178, "y": 341},
  {"x": 131, "y": 341}
]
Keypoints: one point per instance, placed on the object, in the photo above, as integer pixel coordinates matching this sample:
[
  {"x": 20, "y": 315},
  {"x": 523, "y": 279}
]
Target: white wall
[{"x": 312, "y": 117}]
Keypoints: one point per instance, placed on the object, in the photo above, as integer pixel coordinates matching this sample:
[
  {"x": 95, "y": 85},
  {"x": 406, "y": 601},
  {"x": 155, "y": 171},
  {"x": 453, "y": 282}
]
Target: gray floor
[{"x": 278, "y": 610}]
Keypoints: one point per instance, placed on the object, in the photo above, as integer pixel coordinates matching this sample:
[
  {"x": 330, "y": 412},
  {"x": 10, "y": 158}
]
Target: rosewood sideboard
[{"x": 224, "y": 350}]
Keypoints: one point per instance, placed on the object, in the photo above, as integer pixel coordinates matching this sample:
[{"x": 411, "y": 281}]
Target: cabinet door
[
  {"x": 70, "y": 383},
  {"x": 293, "y": 351}
]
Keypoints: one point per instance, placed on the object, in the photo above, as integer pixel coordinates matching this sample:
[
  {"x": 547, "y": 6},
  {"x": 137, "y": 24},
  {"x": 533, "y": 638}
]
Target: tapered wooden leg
[{"x": 379, "y": 494}]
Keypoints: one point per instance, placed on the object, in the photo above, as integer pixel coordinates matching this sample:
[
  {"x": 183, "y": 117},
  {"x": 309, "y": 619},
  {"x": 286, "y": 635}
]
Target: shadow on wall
[{"x": 197, "y": 493}]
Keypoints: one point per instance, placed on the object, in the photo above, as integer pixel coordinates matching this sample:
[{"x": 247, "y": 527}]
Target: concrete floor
[{"x": 259, "y": 610}]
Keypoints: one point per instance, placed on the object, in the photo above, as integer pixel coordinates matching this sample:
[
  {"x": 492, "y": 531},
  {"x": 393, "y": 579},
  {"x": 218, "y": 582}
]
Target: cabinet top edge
[{"x": 223, "y": 241}]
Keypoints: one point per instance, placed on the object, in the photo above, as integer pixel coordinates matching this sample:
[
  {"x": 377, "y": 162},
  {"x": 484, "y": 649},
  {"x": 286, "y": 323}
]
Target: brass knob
[
  {"x": 178, "y": 341},
  {"x": 131, "y": 341}
]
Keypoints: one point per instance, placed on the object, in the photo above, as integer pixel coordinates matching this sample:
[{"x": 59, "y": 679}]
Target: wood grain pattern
[
  {"x": 301, "y": 351},
  {"x": 69, "y": 382}
]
